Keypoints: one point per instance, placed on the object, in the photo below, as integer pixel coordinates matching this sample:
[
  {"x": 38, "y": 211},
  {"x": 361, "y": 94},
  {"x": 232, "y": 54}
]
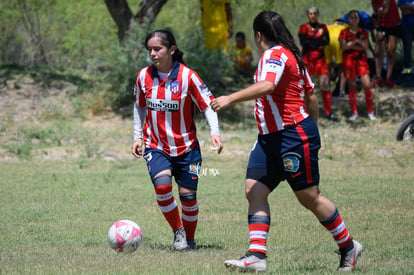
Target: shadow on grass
[{"x": 168, "y": 247}]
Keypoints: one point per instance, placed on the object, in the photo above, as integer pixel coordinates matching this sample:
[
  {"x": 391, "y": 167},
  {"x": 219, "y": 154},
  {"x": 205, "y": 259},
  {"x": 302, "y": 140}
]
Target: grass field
[{"x": 55, "y": 213}]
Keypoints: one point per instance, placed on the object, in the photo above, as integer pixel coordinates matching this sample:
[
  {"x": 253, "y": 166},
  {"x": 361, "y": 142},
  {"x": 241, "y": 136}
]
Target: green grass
[{"x": 55, "y": 214}]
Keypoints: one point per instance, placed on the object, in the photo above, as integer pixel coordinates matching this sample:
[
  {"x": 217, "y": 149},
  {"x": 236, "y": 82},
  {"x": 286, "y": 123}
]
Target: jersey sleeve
[
  {"x": 200, "y": 94},
  {"x": 273, "y": 65},
  {"x": 308, "y": 85},
  {"x": 139, "y": 96}
]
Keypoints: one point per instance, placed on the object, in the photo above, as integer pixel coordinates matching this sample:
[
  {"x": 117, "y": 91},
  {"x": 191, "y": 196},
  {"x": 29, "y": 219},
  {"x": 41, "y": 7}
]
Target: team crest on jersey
[
  {"x": 175, "y": 87},
  {"x": 291, "y": 162}
]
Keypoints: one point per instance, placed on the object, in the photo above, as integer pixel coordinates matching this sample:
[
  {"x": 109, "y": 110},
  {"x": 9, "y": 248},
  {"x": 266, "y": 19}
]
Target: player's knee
[
  {"x": 188, "y": 197},
  {"x": 163, "y": 179}
]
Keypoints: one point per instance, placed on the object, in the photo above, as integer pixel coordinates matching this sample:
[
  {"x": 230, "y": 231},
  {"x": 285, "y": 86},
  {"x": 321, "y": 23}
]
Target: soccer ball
[{"x": 124, "y": 236}]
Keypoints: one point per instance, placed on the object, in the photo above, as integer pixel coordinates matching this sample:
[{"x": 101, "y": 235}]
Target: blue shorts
[
  {"x": 185, "y": 168},
  {"x": 290, "y": 154}
]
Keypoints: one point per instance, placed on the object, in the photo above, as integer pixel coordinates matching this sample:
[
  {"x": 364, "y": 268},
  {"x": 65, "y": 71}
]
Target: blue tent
[{"x": 365, "y": 21}]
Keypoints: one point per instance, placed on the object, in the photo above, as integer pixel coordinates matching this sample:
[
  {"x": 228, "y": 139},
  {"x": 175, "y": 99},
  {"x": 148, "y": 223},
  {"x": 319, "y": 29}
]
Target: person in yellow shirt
[
  {"x": 217, "y": 23},
  {"x": 333, "y": 54},
  {"x": 241, "y": 55}
]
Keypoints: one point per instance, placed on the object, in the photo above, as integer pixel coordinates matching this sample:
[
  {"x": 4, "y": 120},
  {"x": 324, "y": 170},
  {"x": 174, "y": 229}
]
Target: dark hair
[
  {"x": 168, "y": 40},
  {"x": 271, "y": 25},
  {"x": 241, "y": 35}
]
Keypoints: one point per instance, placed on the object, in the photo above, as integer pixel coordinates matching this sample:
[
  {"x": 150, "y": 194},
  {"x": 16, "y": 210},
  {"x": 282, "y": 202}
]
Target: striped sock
[
  {"x": 190, "y": 217},
  {"x": 258, "y": 231},
  {"x": 168, "y": 205},
  {"x": 337, "y": 227}
]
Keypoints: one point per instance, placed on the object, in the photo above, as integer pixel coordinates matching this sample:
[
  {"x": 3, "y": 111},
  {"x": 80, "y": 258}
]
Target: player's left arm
[{"x": 212, "y": 121}]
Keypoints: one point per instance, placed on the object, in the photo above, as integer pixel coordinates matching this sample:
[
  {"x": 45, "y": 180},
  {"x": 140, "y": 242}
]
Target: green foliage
[{"x": 81, "y": 36}]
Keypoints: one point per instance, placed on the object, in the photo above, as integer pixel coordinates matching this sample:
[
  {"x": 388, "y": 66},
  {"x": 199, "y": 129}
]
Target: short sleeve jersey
[
  {"x": 171, "y": 104},
  {"x": 285, "y": 105},
  {"x": 347, "y": 35},
  {"x": 392, "y": 18},
  {"x": 316, "y": 33}
]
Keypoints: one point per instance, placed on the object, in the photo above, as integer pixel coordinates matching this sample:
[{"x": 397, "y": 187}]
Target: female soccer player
[
  {"x": 354, "y": 43},
  {"x": 287, "y": 146},
  {"x": 166, "y": 96},
  {"x": 313, "y": 37}
]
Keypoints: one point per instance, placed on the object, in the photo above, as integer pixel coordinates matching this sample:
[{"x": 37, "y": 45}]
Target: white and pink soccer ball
[{"x": 125, "y": 236}]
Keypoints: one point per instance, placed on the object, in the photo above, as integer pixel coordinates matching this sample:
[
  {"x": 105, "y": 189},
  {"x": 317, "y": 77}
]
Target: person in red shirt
[
  {"x": 287, "y": 145},
  {"x": 354, "y": 43},
  {"x": 313, "y": 37},
  {"x": 167, "y": 94},
  {"x": 386, "y": 39}
]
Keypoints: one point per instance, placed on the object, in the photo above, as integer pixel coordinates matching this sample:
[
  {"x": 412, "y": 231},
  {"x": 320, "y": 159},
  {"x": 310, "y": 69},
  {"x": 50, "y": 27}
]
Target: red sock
[
  {"x": 369, "y": 100},
  {"x": 258, "y": 231},
  {"x": 168, "y": 205},
  {"x": 190, "y": 217},
  {"x": 353, "y": 101},
  {"x": 326, "y": 97},
  {"x": 337, "y": 227}
]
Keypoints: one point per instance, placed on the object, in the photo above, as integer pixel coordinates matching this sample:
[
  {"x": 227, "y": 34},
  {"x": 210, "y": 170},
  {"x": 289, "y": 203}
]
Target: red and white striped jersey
[
  {"x": 285, "y": 105},
  {"x": 170, "y": 103}
]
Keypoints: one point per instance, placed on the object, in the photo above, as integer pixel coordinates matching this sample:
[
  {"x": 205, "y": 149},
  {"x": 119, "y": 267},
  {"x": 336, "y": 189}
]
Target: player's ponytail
[
  {"x": 167, "y": 39},
  {"x": 271, "y": 25}
]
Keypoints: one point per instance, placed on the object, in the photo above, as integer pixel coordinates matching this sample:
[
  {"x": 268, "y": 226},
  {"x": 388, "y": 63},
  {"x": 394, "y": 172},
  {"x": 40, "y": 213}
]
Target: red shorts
[
  {"x": 317, "y": 66},
  {"x": 355, "y": 67}
]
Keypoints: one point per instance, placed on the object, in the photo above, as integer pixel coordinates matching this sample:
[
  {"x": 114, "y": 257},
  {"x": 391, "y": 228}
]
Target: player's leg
[
  {"x": 391, "y": 49},
  {"x": 379, "y": 50},
  {"x": 366, "y": 85},
  {"x": 160, "y": 168},
  {"x": 186, "y": 174},
  {"x": 350, "y": 67},
  {"x": 261, "y": 179},
  {"x": 306, "y": 189},
  {"x": 259, "y": 224},
  {"x": 328, "y": 215},
  {"x": 323, "y": 77}
]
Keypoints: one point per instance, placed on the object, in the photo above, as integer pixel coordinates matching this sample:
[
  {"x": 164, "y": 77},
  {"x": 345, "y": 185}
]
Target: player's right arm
[
  {"x": 311, "y": 103},
  {"x": 139, "y": 119}
]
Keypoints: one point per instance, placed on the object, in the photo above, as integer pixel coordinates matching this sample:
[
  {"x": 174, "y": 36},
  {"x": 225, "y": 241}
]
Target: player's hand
[
  {"x": 220, "y": 103},
  {"x": 217, "y": 143},
  {"x": 137, "y": 148}
]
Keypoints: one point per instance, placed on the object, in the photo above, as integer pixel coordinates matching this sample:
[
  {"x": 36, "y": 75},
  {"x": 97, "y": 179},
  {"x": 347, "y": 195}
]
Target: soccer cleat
[
  {"x": 349, "y": 258},
  {"x": 389, "y": 83},
  {"x": 378, "y": 82},
  {"x": 180, "y": 241},
  {"x": 192, "y": 245},
  {"x": 249, "y": 262},
  {"x": 353, "y": 117},
  {"x": 372, "y": 116},
  {"x": 332, "y": 117}
]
